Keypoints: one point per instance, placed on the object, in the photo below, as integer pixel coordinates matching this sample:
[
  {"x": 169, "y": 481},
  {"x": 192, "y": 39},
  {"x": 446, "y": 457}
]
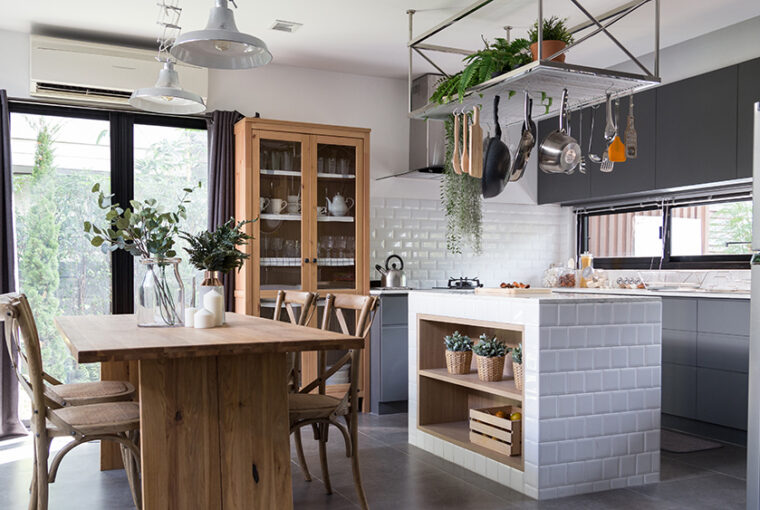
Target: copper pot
[{"x": 549, "y": 48}]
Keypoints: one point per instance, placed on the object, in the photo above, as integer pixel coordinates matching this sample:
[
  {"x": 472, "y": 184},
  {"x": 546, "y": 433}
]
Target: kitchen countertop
[
  {"x": 657, "y": 293},
  {"x": 552, "y": 297},
  {"x": 378, "y": 291}
]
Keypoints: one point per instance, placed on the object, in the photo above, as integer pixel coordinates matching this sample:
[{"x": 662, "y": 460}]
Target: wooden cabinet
[
  {"x": 287, "y": 174},
  {"x": 748, "y": 95},
  {"x": 696, "y": 130}
]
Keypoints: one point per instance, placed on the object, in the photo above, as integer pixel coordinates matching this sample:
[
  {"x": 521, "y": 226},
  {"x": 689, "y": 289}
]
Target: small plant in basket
[
  {"x": 490, "y": 354},
  {"x": 517, "y": 365},
  {"x": 458, "y": 353}
]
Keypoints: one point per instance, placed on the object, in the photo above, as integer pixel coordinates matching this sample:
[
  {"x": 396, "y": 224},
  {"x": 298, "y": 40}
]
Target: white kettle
[{"x": 339, "y": 206}]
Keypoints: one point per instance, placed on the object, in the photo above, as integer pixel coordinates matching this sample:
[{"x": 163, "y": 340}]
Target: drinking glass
[
  {"x": 321, "y": 164},
  {"x": 331, "y": 165},
  {"x": 287, "y": 160}
]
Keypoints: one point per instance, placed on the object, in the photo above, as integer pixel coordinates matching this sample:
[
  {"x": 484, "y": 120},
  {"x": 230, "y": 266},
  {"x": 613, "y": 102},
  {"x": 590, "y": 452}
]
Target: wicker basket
[
  {"x": 518, "y": 370},
  {"x": 458, "y": 362},
  {"x": 490, "y": 369}
]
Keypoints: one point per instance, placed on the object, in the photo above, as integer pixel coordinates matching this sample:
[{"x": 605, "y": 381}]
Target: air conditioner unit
[{"x": 92, "y": 73}]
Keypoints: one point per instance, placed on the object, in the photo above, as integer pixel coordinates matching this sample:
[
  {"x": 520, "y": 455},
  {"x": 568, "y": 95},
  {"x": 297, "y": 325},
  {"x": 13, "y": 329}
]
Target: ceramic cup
[
  {"x": 322, "y": 211},
  {"x": 293, "y": 208},
  {"x": 263, "y": 204},
  {"x": 277, "y": 205}
]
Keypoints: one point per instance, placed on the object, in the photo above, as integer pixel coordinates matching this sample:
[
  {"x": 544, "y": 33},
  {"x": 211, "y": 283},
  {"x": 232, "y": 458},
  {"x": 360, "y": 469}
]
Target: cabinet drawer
[
  {"x": 679, "y": 313},
  {"x": 395, "y": 310},
  {"x": 722, "y": 398},
  {"x": 394, "y": 366},
  {"x": 725, "y": 352},
  {"x": 679, "y": 390},
  {"x": 724, "y": 316},
  {"x": 679, "y": 347}
]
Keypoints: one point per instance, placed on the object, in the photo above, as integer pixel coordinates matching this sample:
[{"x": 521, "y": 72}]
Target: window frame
[
  {"x": 121, "y": 130},
  {"x": 667, "y": 261}
]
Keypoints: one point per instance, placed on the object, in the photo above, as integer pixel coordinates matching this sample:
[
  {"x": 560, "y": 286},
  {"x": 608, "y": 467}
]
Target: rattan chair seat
[
  {"x": 93, "y": 392},
  {"x": 101, "y": 418}
]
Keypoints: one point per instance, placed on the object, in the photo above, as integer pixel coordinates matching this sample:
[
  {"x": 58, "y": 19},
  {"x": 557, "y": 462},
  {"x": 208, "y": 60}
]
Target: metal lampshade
[
  {"x": 220, "y": 45},
  {"x": 167, "y": 96}
]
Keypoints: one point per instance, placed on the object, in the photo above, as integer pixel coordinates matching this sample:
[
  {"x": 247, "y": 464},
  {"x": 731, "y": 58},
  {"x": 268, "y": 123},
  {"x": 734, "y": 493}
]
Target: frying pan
[
  {"x": 495, "y": 160},
  {"x": 527, "y": 142}
]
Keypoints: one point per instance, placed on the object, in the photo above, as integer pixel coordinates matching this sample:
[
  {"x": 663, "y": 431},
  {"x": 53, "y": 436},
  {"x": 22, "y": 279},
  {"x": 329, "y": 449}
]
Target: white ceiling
[{"x": 369, "y": 36}]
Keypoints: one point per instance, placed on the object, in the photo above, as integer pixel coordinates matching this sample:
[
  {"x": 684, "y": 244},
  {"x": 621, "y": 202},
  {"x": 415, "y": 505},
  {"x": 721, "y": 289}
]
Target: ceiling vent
[{"x": 286, "y": 26}]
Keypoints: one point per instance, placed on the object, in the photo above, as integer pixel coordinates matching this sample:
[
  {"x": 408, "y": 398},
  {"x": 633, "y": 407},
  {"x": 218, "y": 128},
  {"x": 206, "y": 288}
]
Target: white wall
[{"x": 14, "y": 63}]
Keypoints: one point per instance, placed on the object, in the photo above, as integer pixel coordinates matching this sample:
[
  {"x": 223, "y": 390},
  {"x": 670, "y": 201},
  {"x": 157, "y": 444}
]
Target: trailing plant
[
  {"x": 458, "y": 342},
  {"x": 517, "y": 354},
  {"x": 461, "y": 199},
  {"x": 218, "y": 250},
  {"x": 496, "y": 58},
  {"x": 554, "y": 29},
  {"x": 490, "y": 347},
  {"x": 141, "y": 230}
]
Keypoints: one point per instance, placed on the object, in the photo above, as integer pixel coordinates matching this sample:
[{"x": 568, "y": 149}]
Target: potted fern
[
  {"x": 458, "y": 353},
  {"x": 556, "y": 37},
  {"x": 217, "y": 253},
  {"x": 490, "y": 354},
  {"x": 517, "y": 366}
]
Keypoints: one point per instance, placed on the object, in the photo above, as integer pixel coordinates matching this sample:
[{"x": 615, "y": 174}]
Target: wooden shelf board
[
  {"x": 504, "y": 388},
  {"x": 322, "y": 175},
  {"x": 458, "y": 432}
]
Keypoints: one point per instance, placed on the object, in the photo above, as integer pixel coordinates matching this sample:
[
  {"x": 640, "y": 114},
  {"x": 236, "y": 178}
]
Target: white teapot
[{"x": 339, "y": 206}]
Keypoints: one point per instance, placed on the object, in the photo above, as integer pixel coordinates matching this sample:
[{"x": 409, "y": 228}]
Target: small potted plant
[
  {"x": 458, "y": 353},
  {"x": 490, "y": 354},
  {"x": 555, "y": 36},
  {"x": 217, "y": 253},
  {"x": 517, "y": 366}
]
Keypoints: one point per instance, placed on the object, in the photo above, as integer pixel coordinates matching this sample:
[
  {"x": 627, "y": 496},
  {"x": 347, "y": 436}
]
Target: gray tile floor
[{"x": 398, "y": 476}]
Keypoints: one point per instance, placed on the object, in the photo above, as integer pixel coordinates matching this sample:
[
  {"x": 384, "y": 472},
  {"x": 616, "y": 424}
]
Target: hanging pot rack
[{"x": 543, "y": 78}]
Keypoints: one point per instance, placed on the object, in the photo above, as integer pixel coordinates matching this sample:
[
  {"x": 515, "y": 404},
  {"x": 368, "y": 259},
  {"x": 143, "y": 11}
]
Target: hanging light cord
[{"x": 168, "y": 19}]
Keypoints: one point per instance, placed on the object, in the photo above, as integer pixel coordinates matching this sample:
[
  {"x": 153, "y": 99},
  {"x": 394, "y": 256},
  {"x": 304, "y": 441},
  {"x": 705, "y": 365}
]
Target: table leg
[{"x": 214, "y": 433}]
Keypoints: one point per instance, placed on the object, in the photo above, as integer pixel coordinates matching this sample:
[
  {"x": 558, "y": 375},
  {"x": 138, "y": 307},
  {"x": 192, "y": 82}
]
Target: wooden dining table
[{"x": 214, "y": 426}]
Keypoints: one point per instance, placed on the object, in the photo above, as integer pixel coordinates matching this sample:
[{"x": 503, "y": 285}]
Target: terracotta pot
[
  {"x": 458, "y": 362},
  {"x": 549, "y": 48}
]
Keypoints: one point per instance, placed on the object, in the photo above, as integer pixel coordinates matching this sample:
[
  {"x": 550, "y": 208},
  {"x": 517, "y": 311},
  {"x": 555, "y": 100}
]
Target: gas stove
[{"x": 462, "y": 283}]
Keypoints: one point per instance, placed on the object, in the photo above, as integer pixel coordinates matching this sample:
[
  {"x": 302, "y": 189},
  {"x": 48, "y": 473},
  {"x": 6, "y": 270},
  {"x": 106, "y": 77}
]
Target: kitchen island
[{"x": 591, "y": 399}]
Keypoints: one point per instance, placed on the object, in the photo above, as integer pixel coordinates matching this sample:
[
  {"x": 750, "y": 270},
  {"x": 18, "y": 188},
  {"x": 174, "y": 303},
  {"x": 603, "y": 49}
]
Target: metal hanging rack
[{"x": 544, "y": 77}]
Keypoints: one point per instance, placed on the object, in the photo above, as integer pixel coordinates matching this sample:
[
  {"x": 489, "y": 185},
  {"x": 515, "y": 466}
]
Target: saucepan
[{"x": 559, "y": 152}]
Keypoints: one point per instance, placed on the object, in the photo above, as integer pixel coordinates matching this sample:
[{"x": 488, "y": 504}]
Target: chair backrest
[
  {"x": 307, "y": 301},
  {"x": 336, "y": 304}
]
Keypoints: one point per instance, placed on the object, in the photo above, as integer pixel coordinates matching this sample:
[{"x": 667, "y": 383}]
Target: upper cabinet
[
  {"x": 696, "y": 130},
  {"x": 749, "y": 94},
  {"x": 634, "y": 175}
]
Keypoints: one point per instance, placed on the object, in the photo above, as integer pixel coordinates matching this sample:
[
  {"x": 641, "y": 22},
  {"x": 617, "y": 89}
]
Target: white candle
[
  {"x": 189, "y": 315},
  {"x": 213, "y": 301},
  {"x": 203, "y": 319}
]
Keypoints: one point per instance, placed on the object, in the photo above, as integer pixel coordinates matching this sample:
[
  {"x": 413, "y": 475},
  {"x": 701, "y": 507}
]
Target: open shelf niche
[{"x": 444, "y": 400}]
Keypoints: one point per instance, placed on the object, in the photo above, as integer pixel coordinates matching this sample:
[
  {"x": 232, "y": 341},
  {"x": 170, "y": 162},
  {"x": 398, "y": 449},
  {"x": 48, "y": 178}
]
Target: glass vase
[
  {"x": 161, "y": 296},
  {"x": 212, "y": 281}
]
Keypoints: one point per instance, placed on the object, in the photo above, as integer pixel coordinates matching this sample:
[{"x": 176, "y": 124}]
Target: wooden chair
[
  {"x": 111, "y": 421},
  {"x": 320, "y": 410}
]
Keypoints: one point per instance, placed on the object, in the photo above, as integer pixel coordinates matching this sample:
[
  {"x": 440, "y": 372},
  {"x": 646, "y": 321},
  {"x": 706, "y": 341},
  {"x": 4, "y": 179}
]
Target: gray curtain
[
  {"x": 221, "y": 179},
  {"x": 9, "y": 422}
]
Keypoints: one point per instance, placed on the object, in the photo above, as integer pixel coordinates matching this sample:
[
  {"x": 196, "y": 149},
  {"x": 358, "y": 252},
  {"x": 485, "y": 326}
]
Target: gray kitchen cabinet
[
  {"x": 389, "y": 365},
  {"x": 679, "y": 390},
  {"x": 560, "y": 188},
  {"x": 748, "y": 94},
  {"x": 635, "y": 175},
  {"x": 722, "y": 397},
  {"x": 679, "y": 347},
  {"x": 723, "y": 316},
  {"x": 679, "y": 314},
  {"x": 724, "y": 352},
  {"x": 696, "y": 130}
]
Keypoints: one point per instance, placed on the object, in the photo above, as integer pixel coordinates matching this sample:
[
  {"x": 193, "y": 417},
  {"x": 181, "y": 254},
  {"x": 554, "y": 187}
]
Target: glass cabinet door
[
  {"x": 281, "y": 230},
  {"x": 338, "y": 165}
]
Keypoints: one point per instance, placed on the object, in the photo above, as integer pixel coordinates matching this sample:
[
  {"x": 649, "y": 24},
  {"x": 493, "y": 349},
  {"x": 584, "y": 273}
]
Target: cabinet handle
[
  {"x": 306, "y": 260},
  {"x": 314, "y": 260}
]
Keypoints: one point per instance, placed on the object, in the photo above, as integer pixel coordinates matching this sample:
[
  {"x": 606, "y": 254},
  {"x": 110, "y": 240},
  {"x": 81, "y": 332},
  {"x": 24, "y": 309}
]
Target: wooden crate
[{"x": 498, "y": 434}]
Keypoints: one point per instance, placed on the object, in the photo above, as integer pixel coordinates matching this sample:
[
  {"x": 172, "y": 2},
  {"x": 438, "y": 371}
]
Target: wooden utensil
[
  {"x": 465, "y": 159},
  {"x": 476, "y": 145},
  {"x": 456, "y": 157}
]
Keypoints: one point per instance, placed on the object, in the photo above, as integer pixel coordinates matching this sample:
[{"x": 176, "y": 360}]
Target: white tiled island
[{"x": 591, "y": 397}]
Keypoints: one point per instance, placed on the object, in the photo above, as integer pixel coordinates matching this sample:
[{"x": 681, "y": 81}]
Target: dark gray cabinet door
[
  {"x": 725, "y": 352},
  {"x": 679, "y": 313},
  {"x": 679, "y": 347},
  {"x": 724, "y": 316},
  {"x": 634, "y": 175},
  {"x": 395, "y": 364},
  {"x": 722, "y": 397},
  {"x": 679, "y": 390},
  {"x": 749, "y": 93},
  {"x": 696, "y": 130},
  {"x": 560, "y": 188}
]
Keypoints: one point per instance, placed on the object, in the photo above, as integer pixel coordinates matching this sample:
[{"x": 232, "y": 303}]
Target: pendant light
[
  {"x": 221, "y": 45},
  {"x": 167, "y": 96}
]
